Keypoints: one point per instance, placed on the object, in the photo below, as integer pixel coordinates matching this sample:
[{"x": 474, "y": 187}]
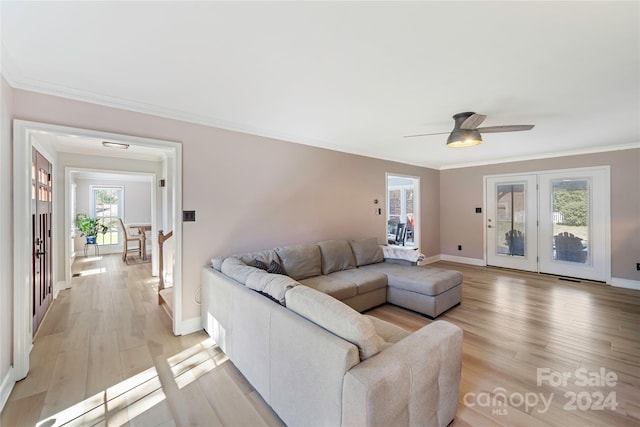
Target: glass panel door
[
  {"x": 511, "y": 222},
  {"x": 570, "y": 207},
  {"x": 574, "y": 218}
]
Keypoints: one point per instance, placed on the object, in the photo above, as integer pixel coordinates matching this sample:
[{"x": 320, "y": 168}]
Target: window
[
  {"x": 107, "y": 205},
  {"x": 402, "y": 210}
]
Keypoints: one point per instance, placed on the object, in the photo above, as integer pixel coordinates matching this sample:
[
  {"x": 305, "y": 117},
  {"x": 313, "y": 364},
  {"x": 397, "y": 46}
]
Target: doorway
[
  {"x": 23, "y": 141},
  {"x": 403, "y": 204},
  {"x": 554, "y": 222}
]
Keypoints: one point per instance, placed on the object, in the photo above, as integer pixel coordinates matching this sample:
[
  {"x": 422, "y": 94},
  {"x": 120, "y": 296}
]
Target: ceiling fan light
[{"x": 464, "y": 138}]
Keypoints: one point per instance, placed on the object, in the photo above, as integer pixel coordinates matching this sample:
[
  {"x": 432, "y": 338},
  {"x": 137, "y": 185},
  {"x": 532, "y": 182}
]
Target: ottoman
[{"x": 429, "y": 291}]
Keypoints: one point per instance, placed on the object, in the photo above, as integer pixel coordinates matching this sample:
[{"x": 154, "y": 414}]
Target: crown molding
[{"x": 577, "y": 152}]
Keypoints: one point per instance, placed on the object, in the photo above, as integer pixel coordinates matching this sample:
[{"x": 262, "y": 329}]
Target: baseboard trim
[
  {"x": 430, "y": 260},
  {"x": 7, "y": 385},
  {"x": 625, "y": 283},
  {"x": 190, "y": 326},
  {"x": 462, "y": 260}
]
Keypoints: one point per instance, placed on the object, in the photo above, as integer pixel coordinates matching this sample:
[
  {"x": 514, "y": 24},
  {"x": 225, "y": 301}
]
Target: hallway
[{"x": 105, "y": 355}]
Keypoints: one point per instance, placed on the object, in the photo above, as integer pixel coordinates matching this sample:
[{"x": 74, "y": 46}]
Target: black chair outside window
[{"x": 401, "y": 233}]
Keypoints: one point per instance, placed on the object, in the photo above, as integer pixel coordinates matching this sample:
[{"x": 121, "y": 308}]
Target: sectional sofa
[{"x": 289, "y": 319}]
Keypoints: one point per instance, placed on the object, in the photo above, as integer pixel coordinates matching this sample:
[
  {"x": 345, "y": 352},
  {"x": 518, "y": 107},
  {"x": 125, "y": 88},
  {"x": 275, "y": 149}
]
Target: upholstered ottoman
[{"x": 430, "y": 291}]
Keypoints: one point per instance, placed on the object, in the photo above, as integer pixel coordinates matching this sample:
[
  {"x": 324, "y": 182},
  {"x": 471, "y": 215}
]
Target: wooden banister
[{"x": 161, "y": 239}]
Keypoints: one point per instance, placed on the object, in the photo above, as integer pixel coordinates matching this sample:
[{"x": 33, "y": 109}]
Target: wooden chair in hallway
[{"x": 128, "y": 239}]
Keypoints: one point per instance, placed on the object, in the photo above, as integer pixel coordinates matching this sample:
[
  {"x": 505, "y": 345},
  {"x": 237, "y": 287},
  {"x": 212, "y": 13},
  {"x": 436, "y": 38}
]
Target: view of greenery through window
[
  {"x": 108, "y": 206},
  {"x": 571, "y": 208}
]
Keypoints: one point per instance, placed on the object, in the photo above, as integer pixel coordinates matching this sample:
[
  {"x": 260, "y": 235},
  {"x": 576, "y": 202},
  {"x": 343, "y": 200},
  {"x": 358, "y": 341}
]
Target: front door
[{"x": 41, "y": 199}]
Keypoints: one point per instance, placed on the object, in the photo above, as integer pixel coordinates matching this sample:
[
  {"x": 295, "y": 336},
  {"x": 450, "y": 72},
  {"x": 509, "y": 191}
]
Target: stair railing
[{"x": 161, "y": 239}]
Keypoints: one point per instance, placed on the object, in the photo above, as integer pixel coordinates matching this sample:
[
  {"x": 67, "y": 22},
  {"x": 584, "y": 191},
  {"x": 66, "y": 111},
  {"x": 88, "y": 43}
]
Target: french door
[
  {"x": 573, "y": 232},
  {"x": 550, "y": 222},
  {"x": 512, "y": 222}
]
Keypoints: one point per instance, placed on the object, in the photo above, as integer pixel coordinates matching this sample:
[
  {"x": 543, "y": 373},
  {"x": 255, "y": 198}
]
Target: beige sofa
[
  {"x": 316, "y": 360},
  {"x": 356, "y": 273}
]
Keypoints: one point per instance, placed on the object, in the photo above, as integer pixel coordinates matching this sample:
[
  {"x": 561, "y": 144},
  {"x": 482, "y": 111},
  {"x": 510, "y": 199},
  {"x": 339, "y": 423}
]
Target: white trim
[
  {"x": 430, "y": 260},
  {"x": 58, "y": 286},
  {"x": 5, "y": 389},
  {"x": 625, "y": 283},
  {"x": 22, "y": 144},
  {"x": 192, "y": 325},
  {"x": 462, "y": 260}
]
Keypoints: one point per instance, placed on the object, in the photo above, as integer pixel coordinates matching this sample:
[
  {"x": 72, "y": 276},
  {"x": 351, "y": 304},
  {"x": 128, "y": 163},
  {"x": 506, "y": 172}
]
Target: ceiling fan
[{"x": 466, "y": 132}]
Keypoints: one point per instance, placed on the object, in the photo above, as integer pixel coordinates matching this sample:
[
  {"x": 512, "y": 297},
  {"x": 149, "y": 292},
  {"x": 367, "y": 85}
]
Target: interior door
[
  {"x": 512, "y": 222},
  {"x": 41, "y": 199},
  {"x": 574, "y": 218}
]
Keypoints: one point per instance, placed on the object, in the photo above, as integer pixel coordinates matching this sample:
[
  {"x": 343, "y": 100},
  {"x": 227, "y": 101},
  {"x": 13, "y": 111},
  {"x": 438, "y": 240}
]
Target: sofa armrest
[{"x": 413, "y": 382}]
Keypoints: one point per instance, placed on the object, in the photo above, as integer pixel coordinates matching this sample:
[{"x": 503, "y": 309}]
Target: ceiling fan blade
[
  {"x": 507, "y": 128},
  {"x": 426, "y": 134},
  {"x": 473, "y": 121}
]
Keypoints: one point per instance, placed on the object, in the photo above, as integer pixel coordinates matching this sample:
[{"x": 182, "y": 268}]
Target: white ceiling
[{"x": 349, "y": 76}]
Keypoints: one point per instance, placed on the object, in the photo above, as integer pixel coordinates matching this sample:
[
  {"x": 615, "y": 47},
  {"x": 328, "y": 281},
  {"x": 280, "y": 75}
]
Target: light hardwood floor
[{"x": 105, "y": 355}]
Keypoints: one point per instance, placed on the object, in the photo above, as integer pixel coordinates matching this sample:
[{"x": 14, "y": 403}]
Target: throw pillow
[
  {"x": 366, "y": 251},
  {"x": 276, "y": 268},
  {"x": 259, "y": 264}
]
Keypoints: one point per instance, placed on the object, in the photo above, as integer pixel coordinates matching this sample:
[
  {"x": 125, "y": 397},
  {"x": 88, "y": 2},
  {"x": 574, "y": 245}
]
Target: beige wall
[
  {"x": 461, "y": 192},
  {"x": 251, "y": 192},
  {"x": 6, "y": 239}
]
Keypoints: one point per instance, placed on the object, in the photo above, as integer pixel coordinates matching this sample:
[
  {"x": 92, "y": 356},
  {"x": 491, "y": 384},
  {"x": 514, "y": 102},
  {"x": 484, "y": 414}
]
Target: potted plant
[{"x": 90, "y": 227}]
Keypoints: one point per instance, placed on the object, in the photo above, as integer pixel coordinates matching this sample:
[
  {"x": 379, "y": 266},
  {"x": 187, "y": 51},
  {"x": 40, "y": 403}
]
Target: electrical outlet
[
  {"x": 188, "y": 216},
  {"x": 459, "y": 247}
]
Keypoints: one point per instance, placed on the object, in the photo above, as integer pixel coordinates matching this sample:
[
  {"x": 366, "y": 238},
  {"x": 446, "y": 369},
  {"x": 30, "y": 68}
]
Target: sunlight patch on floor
[
  {"x": 194, "y": 362},
  {"x": 92, "y": 272},
  {"x": 120, "y": 403},
  {"x": 123, "y": 402}
]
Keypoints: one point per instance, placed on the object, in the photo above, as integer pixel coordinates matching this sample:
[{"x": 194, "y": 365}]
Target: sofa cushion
[
  {"x": 301, "y": 261},
  {"x": 336, "y": 256},
  {"x": 237, "y": 269},
  {"x": 366, "y": 251},
  {"x": 274, "y": 285},
  {"x": 365, "y": 280},
  {"x": 337, "y": 288},
  {"x": 336, "y": 317},
  {"x": 422, "y": 280}
]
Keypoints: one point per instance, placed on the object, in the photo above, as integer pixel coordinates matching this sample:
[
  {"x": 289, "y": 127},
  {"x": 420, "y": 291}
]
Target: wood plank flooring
[{"x": 105, "y": 355}]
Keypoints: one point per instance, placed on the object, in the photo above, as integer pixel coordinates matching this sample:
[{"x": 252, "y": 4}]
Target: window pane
[
  {"x": 510, "y": 227},
  {"x": 570, "y": 201},
  {"x": 107, "y": 202}
]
